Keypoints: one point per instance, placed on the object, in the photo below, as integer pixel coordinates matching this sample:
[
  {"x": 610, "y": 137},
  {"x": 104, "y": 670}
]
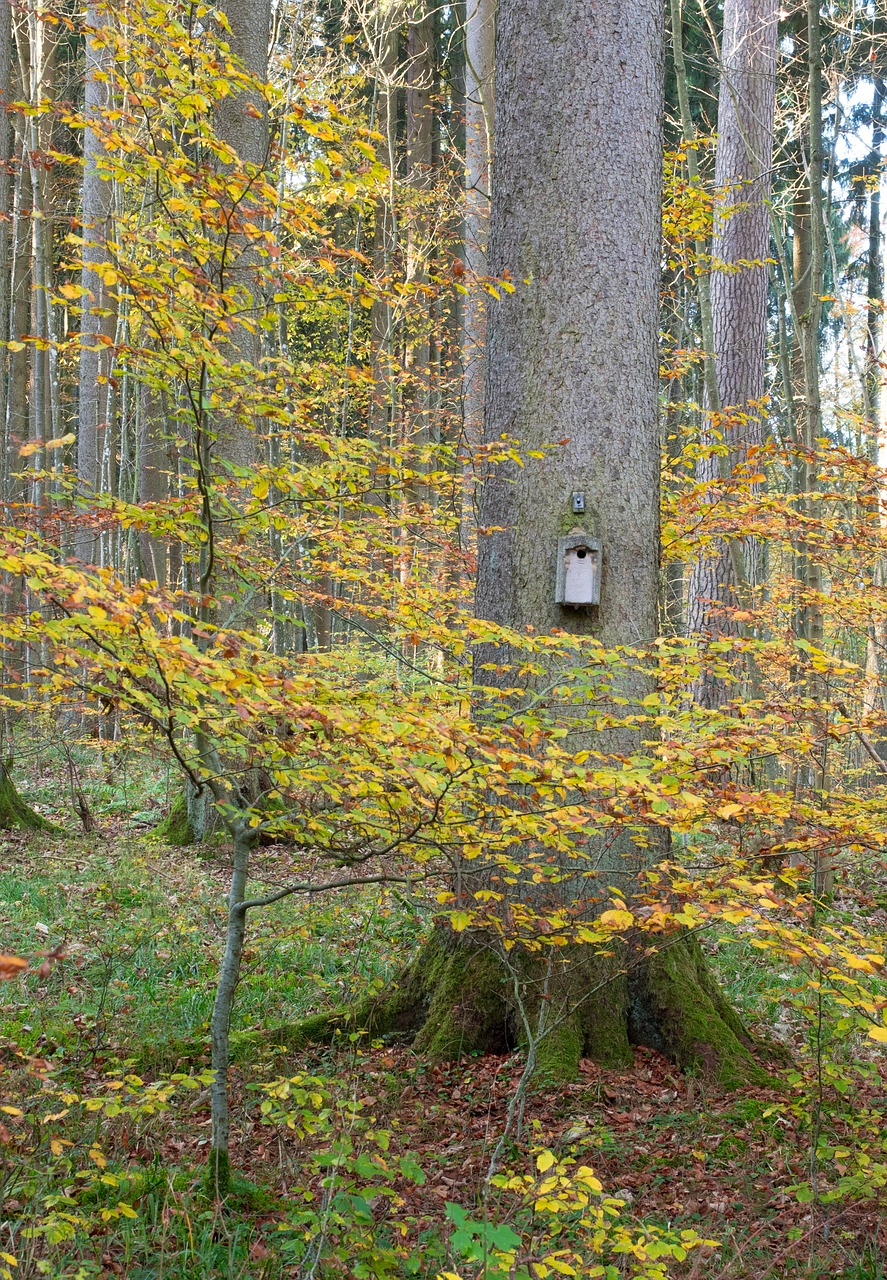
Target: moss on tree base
[
  {"x": 15, "y": 813},
  {"x": 460, "y": 997},
  {"x": 176, "y": 829},
  {"x": 217, "y": 1180},
  {"x": 677, "y": 1007}
]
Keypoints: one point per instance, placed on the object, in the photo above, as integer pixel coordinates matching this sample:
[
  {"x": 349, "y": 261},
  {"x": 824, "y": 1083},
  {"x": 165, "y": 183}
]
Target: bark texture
[
  {"x": 97, "y": 304},
  {"x": 572, "y": 352},
  {"x": 738, "y": 292},
  {"x": 479, "y": 35},
  {"x": 6, "y": 155},
  {"x": 241, "y": 122},
  {"x": 572, "y": 369}
]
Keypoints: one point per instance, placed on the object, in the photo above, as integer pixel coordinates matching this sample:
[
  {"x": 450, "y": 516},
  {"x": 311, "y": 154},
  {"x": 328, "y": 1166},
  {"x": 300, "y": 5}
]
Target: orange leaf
[{"x": 11, "y": 967}]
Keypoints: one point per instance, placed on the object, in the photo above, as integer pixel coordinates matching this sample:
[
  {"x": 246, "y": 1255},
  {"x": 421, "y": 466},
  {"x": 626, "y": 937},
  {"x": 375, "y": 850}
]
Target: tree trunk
[
  {"x": 874, "y": 267},
  {"x": 17, "y": 402},
  {"x": 16, "y": 813},
  {"x": 420, "y": 157},
  {"x": 876, "y": 640},
  {"x": 96, "y": 303},
  {"x": 152, "y": 479},
  {"x": 6, "y": 157},
  {"x": 572, "y": 368},
  {"x": 479, "y": 38},
  {"x": 809, "y": 261},
  {"x": 219, "y": 1167},
  {"x": 382, "y": 320},
  {"x": 242, "y": 123},
  {"x": 738, "y": 293}
]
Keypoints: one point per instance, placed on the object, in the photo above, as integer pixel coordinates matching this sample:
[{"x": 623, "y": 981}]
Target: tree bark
[
  {"x": 738, "y": 294},
  {"x": 219, "y": 1168},
  {"x": 421, "y": 83},
  {"x": 479, "y": 36},
  {"x": 152, "y": 479},
  {"x": 809, "y": 261},
  {"x": 572, "y": 370},
  {"x": 6, "y": 155},
  {"x": 96, "y": 303},
  {"x": 241, "y": 122}
]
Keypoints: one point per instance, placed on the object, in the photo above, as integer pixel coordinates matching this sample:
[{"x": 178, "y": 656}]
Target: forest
[{"x": 443, "y": 640}]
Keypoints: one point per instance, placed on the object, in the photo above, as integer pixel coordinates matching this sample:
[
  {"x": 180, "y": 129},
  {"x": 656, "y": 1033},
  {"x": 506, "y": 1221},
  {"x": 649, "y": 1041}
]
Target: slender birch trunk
[
  {"x": 36, "y": 50},
  {"x": 875, "y": 266},
  {"x": 876, "y": 408},
  {"x": 415, "y": 413},
  {"x": 382, "y": 319},
  {"x": 152, "y": 478}
]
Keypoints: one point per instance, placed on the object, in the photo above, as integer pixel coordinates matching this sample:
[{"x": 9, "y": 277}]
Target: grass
[
  {"x": 353, "y": 1179},
  {"x": 142, "y": 932}
]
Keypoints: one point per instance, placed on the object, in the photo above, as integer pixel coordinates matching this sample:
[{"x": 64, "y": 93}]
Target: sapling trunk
[{"x": 229, "y": 974}]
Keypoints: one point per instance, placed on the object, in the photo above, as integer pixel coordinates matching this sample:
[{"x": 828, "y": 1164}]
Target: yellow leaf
[
  {"x": 585, "y": 1175},
  {"x": 33, "y": 446},
  {"x": 875, "y": 1033},
  {"x": 12, "y": 1111},
  {"x": 617, "y": 919},
  {"x": 544, "y": 1161},
  {"x": 729, "y": 810},
  {"x": 15, "y": 345}
]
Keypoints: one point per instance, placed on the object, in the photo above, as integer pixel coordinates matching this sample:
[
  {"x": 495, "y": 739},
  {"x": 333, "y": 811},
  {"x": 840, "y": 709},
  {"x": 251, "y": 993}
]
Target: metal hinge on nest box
[{"x": 578, "y": 570}]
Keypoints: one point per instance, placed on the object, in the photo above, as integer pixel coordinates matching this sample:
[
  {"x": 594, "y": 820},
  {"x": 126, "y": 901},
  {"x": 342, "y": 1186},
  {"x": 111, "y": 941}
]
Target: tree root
[{"x": 461, "y": 997}]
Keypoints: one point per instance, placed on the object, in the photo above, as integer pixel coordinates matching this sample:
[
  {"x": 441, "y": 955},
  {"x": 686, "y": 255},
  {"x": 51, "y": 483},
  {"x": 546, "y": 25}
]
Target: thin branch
[{"x": 311, "y": 889}]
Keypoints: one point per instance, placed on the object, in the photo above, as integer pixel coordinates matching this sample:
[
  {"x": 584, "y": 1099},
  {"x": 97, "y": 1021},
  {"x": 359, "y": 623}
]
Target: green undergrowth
[
  {"x": 354, "y": 1171},
  {"x": 142, "y": 927}
]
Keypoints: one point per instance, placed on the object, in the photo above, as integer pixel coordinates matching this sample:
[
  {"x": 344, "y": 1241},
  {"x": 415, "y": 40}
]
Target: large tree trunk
[{"x": 572, "y": 369}]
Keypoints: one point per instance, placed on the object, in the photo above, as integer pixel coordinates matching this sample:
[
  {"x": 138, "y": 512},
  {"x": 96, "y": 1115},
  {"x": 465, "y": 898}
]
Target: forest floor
[{"x": 403, "y": 1148}]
